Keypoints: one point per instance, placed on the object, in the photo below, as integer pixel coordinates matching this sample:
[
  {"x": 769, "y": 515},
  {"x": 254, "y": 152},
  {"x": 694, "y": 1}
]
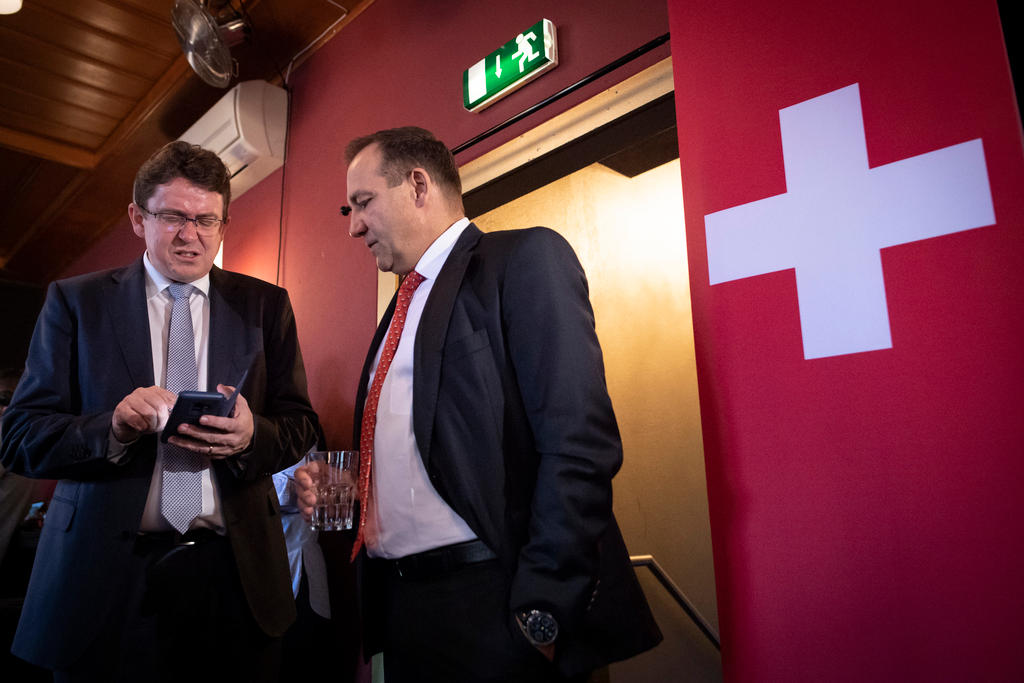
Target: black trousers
[
  {"x": 317, "y": 649},
  {"x": 183, "y": 616},
  {"x": 455, "y": 627}
]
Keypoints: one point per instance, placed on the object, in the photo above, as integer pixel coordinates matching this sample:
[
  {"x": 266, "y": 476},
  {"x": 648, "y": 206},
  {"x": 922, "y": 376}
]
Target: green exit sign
[{"x": 511, "y": 66}]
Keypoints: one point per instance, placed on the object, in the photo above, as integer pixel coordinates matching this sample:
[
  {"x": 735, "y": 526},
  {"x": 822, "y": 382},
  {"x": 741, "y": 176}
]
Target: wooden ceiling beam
[
  {"x": 45, "y": 148},
  {"x": 162, "y": 89},
  {"x": 168, "y": 84},
  {"x": 151, "y": 109},
  {"x": 58, "y": 203}
]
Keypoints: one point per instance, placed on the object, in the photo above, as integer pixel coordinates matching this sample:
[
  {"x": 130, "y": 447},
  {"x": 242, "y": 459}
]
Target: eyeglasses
[{"x": 172, "y": 220}]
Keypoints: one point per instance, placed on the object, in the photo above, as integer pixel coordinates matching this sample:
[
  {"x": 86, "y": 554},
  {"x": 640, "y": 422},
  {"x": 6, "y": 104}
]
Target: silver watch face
[{"x": 541, "y": 628}]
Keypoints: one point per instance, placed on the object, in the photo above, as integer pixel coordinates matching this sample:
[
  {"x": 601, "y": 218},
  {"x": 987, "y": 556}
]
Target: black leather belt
[
  {"x": 168, "y": 539},
  {"x": 440, "y": 561}
]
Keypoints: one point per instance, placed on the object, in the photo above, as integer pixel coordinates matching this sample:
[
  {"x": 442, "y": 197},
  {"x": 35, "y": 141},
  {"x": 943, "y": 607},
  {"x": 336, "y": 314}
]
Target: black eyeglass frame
[{"x": 171, "y": 220}]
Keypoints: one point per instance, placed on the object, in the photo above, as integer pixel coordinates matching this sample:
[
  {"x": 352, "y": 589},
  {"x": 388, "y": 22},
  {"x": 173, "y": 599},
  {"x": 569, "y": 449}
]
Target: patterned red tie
[{"x": 369, "y": 424}]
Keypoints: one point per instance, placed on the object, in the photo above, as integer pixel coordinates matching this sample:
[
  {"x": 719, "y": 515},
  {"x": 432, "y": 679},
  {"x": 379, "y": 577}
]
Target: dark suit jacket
[
  {"x": 90, "y": 348},
  {"x": 515, "y": 427}
]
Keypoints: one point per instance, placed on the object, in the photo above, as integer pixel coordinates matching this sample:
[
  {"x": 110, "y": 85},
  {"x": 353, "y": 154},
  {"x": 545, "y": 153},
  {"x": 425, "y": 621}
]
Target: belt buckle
[{"x": 184, "y": 540}]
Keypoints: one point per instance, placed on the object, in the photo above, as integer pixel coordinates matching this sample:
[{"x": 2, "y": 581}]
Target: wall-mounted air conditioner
[{"x": 246, "y": 128}]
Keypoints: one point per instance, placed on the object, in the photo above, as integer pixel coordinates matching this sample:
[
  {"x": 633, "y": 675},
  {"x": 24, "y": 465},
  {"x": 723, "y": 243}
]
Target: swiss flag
[{"x": 853, "y": 179}]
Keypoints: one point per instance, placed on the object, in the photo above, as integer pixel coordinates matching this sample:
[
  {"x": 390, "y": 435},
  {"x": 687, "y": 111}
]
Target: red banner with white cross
[{"x": 853, "y": 182}]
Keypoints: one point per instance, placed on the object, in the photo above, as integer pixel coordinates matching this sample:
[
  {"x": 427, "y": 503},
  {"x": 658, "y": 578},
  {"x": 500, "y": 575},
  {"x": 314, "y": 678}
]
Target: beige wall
[{"x": 629, "y": 236}]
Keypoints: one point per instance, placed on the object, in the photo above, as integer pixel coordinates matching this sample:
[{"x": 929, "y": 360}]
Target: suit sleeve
[
  {"x": 45, "y": 432},
  {"x": 285, "y": 425},
  {"x": 560, "y": 370}
]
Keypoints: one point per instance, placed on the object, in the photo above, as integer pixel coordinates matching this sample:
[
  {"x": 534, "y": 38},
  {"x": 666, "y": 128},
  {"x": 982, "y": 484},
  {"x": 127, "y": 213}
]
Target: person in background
[
  {"x": 16, "y": 493},
  {"x": 310, "y": 636},
  {"x": 161, "y": 561},
  {"x": 317, "y": 645},
  {"x": 305, "y": 558},
  {"x": 22, "y": 504},
  {"x": 488, "y": 443}
]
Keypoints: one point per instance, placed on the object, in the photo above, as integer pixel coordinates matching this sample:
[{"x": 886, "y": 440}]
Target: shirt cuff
[{"x": 117, "y": 452}]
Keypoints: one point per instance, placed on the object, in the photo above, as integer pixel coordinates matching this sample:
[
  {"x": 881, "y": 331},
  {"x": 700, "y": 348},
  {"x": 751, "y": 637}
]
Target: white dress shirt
[
  {"x": 160, "y": 302},
  {"x": 304, "y": 553},
  {"x": 408, "y": 515}
]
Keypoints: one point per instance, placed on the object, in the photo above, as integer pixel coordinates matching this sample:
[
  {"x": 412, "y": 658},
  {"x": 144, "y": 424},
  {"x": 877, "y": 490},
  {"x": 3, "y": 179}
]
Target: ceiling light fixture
[{"x": 9, "y": 6}]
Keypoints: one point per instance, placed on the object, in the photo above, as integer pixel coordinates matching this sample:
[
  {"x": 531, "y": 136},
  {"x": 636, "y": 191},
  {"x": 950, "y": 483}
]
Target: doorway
[{"x": 614, "y": 192}]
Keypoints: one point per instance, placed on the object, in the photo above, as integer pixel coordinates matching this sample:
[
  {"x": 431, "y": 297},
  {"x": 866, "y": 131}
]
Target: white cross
[{"x": 837, "y": 214}]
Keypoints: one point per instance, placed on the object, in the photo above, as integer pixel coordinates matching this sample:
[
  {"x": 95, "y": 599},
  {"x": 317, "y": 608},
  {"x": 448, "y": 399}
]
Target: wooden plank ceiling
[{"x": 88, "y": 89}]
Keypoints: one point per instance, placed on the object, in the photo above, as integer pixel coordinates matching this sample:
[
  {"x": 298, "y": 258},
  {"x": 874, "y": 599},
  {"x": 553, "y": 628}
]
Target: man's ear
[
  {"x": 136, "y": 216},
  {"x": 421, "y": 184}
]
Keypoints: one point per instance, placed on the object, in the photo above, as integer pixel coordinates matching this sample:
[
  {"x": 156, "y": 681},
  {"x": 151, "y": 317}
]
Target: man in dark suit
[
  {"x": 491, "y": 550},
  {"x": 138, "y": 577}
]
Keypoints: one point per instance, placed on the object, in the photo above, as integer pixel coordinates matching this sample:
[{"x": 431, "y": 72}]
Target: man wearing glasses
[{"x": 162, "y": 556}]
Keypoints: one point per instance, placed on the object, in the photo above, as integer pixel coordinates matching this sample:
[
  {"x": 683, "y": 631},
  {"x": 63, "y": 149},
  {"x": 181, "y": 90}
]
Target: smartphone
[{"x": 192, "y": 405}]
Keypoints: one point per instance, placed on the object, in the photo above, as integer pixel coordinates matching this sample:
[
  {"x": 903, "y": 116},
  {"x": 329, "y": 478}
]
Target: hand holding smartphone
[{"x": 192, "y": 405}]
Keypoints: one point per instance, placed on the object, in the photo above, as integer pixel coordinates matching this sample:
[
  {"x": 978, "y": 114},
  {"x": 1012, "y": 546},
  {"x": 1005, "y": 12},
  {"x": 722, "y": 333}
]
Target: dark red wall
[
  {"x": 116, "y": 248},
  {"x": 399, "y": 63}
]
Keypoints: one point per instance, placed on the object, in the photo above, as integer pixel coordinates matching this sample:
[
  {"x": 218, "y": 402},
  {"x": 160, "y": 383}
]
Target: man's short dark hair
[
  {"x": 180, "y": 159},
  {"x": 406, "y": 148}
]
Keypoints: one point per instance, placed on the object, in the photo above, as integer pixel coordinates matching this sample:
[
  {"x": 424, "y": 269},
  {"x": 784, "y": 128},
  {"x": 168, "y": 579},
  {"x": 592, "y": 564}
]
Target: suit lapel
[
  {"x": 227, "y": 358},
  {"x": 129, "y": 313},
  {"x": 430, "y": 338}
]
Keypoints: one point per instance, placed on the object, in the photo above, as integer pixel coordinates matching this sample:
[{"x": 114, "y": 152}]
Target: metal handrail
[{"x": 676, "y": 592}]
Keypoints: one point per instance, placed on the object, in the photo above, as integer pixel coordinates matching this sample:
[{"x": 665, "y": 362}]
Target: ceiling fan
[{"x": 205, "y": 42}]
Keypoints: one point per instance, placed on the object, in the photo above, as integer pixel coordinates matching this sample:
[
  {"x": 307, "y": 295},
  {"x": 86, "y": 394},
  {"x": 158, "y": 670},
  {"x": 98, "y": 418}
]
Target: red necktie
[{"x": 369, "y": 424}]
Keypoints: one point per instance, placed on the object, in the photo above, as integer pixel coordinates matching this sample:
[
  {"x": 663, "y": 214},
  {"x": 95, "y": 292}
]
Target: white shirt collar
[
  {"x": 433, "y": 258},
  {"x": 156, "y": 282}
]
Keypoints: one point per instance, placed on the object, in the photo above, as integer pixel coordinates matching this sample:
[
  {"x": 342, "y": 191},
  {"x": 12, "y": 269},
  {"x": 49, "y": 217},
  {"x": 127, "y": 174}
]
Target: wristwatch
[{"x": 540, "y": 628}]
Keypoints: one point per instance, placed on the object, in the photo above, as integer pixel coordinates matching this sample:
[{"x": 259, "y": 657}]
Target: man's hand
[
  {"x": 305, "y": 488},
  {"x": 144, "y": 411},
  {"x": 219, "y": 437}
]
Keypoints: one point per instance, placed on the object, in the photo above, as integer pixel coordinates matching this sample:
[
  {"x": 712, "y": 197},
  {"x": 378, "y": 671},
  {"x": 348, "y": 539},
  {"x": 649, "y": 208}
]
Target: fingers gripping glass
[{"x": 172, "y": 220}]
